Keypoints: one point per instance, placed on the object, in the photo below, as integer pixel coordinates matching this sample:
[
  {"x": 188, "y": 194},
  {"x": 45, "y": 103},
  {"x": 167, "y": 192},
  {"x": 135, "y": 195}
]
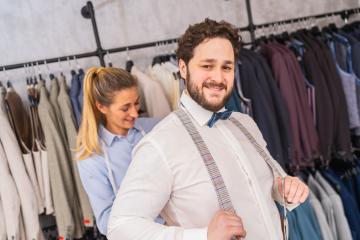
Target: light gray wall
[{"x": 38, "y": 29}]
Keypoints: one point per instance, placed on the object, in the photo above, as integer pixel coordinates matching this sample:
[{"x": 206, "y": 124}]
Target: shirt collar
[
  {"x": 200, "y": 114},
  {"x": 108, "y": 137}
]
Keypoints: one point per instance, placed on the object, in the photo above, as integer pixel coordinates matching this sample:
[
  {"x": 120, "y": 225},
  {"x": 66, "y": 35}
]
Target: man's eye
[
  {"x": 206, "y": 66},
  {"x": 227, "y": 68}
]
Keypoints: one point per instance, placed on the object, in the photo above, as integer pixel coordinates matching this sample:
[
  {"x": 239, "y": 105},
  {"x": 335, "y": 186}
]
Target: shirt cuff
[{"x": 195, "y": 233}]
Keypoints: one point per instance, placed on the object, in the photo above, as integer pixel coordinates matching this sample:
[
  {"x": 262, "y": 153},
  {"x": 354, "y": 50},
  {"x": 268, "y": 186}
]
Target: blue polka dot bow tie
[{"x": 219, "y": 115}]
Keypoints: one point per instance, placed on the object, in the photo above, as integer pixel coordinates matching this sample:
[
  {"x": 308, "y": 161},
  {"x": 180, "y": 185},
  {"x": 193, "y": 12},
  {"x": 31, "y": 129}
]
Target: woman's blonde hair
[{"x": 100, "y": 85}]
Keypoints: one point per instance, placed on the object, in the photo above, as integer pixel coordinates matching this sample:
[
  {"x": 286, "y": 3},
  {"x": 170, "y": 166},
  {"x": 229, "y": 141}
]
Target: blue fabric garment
[
  {"x": 219, "y": 116},
  {"x": 234, "y": 102},
  {"x": 74, "y": 92},
  {"x": 80, "y": 96},
  {"x": 302, "y": 222},
  {"x": 357, "y": 184},
  {"x": 94, "y": 174},
  {"x": 345, "y": 42},
  {"x": 350, "y": 206}
]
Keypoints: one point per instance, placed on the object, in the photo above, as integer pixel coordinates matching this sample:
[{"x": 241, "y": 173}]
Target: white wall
[{"x": 38, "y": 29}]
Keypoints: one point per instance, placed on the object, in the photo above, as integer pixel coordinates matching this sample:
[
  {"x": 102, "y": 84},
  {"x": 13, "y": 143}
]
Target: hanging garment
[
  {"x": 54, "y": 92},
  {"x": 80, "y": 96},
  {"x": 302, "y": 223},
  {"x": 74, "y": 93},
  {"x": 326, "y": 203},
  {"x": 234, "y": 102},
  {"x": 49, "y": 202},
  {"x": 167, "y": 81},
  {"x": 320, "y": 216},
  {"x": 23, "y": 184},
  {"x": 10, "y": 200},
  {"x": 285, "y": 66},
  {"x": 62, "y": 184},
  {"x": 348, "y": 81},
  {"x": 351, "y": 209},
  {"x": 21, "y": 119},
  {"x": 29, "y": 165},
  {"x": 15, "y": 100},
  {"x": 310, "y": 139},
  {"x": 2, "y": 223},
  {"x": 268, "y": 107},
  {"x": 156, "y": 103},
  {"x": 342, "y": 226},
  {"x": 342, "y": 141},
  {"x": 39, "y": 172},
  {"x": 66, "y": 112},
  {"x": 36, "y": 157},
  {"x": 325, "y": 113},
  {"x": 41, "y": 162}
]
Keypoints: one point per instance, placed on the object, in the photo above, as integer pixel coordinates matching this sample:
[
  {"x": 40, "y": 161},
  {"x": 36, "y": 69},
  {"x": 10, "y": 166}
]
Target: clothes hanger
[
  {"x": 156, "y": 59},
  {"x": 29, "y": 85},
  {"x": 110, "y": 64},
  {"x": 72, "y": 71},
  {"x": 60, "y": 67},
  {"x": 8, "y": 83},
  {"x": 26, "y": 75},
  {"x": 78, "y": 66},
  {"x": 39, "y": 71},
  {"x": 51, "y": 75},
  {"x": 129, "y": 63}
]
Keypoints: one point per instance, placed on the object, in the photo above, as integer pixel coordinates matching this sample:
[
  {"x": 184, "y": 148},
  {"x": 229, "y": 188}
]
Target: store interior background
[{"x": 40, "y": 29}]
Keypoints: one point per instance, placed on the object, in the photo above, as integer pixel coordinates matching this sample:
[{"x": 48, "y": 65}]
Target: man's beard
[{"x": 198, "y": 94}]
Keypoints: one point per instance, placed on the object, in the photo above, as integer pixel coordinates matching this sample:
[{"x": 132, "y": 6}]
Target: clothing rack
[{"x": 88, "y": 12}]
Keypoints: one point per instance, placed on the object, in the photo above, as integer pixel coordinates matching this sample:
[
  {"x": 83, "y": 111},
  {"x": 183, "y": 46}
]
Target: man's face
[{"x": 210, "y": 73}]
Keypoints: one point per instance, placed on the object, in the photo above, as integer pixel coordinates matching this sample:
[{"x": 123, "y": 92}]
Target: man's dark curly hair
[{"x": 208, "y": 29}]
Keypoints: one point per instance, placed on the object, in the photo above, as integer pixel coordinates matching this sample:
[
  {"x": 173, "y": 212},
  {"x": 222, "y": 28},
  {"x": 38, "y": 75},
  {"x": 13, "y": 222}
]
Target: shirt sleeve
[
  {"x": 144, "y": 192},
  {"x": 99, "y": 191}
]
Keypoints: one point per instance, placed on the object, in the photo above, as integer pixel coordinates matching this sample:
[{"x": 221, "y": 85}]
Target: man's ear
[{"x": 183, "y": 69}]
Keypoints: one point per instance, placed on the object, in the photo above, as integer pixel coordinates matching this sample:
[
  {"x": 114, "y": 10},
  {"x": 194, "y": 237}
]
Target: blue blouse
[{"x": 94, "y": 173}]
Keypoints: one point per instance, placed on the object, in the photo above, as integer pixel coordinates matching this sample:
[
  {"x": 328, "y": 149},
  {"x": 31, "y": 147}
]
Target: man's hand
[
  {"x": 295, "y": 190},
  {"x": 225, "y": 225}
]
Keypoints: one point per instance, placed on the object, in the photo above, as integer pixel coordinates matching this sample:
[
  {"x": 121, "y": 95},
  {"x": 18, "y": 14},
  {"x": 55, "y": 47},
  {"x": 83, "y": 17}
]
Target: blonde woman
[{"x": 109, "y": 131}]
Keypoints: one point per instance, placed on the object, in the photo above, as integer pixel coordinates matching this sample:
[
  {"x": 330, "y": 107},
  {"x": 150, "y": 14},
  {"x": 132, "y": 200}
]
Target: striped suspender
[
  {"x": 213, "y": 170},
  {"x": 276, "y": 168}
]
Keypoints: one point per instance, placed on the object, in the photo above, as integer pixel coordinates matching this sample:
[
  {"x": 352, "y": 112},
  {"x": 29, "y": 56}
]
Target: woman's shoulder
[
  {"x": 93, "y": 163},
  {"x": 147, "y": 124}
]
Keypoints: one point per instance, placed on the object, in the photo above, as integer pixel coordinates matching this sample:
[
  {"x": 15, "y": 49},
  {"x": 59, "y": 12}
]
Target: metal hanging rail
[{"x": 88, "y": 12}]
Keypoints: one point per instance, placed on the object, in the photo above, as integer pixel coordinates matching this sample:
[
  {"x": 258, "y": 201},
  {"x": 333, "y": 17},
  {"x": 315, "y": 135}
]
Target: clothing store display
[
  {"x": 23, "y": 184},
  {"x": 64, "y": 103},
  {"x": 65, "y": 202},
  {"x": 296, "y": 91}
]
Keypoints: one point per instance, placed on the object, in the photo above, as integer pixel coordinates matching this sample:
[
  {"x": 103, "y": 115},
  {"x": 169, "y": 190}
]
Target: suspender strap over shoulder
[{"x": 213, "y": 170}]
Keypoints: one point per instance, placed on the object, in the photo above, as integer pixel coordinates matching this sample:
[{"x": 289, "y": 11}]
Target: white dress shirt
[{"x": 168, "y": 176}]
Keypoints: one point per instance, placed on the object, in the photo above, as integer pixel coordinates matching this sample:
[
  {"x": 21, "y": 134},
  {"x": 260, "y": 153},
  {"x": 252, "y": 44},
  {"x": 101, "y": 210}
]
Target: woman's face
[{"x": 121, "y": 114}]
